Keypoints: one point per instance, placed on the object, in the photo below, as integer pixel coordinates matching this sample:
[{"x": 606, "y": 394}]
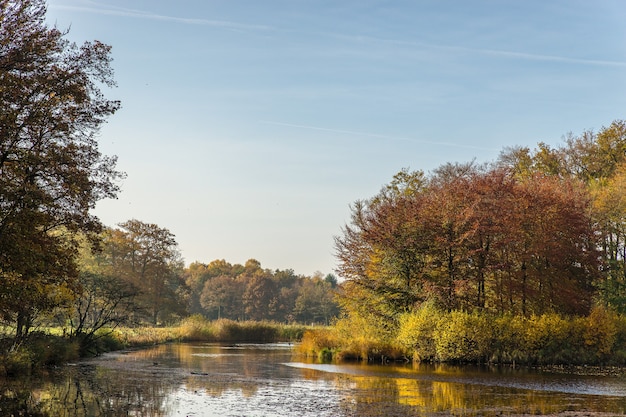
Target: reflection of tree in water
[
  {"x": 370, "y": 396},
  {"x": 87, "y": 391},
  {"x": 153, "y": 382},
  {"x": 18, "y": 397}
]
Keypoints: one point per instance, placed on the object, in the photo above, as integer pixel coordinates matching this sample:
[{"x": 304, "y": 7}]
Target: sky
[{"x": 249, "y": 127}]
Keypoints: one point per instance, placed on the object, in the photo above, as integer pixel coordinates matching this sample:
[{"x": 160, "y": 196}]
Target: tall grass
[
  {"x": 197, "y": 328},
  {"x": 53, "y": 347},
  {"x": 432, "y": 335}
]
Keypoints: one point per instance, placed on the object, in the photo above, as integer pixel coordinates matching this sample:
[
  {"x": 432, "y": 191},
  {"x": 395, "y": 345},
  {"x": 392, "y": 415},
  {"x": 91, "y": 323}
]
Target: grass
[{"x": 52, "y": 347}]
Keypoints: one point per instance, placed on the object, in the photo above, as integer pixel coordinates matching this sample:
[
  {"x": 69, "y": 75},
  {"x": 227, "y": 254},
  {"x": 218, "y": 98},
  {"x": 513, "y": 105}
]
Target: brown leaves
[{"x": 473, "y": 239}]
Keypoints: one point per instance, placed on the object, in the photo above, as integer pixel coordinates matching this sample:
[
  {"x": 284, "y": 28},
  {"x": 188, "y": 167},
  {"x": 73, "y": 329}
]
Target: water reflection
[
  {"x": 448, "y": 390},
  {"x": 266, "y": 380}
]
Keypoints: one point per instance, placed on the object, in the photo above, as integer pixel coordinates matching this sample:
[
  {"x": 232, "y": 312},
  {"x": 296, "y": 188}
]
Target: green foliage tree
[
  {"x": 105, "y": 301},
  {"x": 146, "y": 256},
  {"x": 51, "y": 171}
]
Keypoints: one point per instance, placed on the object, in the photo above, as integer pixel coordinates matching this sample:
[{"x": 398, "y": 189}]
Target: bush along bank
[
  {"x": 54, "y": 347},
  {"x": 429, "y": 334}
]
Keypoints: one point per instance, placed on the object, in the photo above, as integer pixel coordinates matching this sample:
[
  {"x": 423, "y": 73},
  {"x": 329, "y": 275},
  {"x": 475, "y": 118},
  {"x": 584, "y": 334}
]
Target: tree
[
  {"x": 382, "y": 255},
  {"x": 51, "y": 171},
  {"x": 609, "y": 211},
  {"x": 315, "y": 302},
  {"x": 260, "y": 298},
  {"x": 105, "y": 300},
  {"x": 221, "y": 297},
  {"x": 472, "y": 239},
  {"x": 147, "y": 256}
]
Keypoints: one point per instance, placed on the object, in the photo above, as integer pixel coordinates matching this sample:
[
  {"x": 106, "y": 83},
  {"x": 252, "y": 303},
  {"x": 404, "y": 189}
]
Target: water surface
[{"x": 269, "y": 380}]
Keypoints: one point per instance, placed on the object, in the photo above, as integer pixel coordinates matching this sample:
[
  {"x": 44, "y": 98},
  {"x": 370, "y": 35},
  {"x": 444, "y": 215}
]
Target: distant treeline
[{"x": 249, "y": 292}]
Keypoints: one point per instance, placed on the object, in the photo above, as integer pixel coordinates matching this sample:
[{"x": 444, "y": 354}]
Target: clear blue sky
[{"x": 247, "y": 128}]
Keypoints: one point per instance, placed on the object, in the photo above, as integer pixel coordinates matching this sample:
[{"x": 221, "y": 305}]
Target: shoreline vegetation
[
  {"x": 428, "y": 334},
  {"x": 52, "y": 347},
  {"x": 432, "y": 335}
]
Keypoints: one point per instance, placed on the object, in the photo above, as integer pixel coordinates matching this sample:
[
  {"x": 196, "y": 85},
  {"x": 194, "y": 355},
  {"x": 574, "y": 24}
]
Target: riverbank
[
  {"x": 54, "y": 346},
  {"x": 432, "y": 335}
]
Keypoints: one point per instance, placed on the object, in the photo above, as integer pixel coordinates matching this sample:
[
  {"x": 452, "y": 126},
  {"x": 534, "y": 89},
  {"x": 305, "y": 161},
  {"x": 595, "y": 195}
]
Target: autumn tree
[
  {"x": 51, "y": 171},
  {"x": 609, "y": 209},
  {"x": 315, "y": 302},
  {"x": 222, "y": 297},
  {"x": 146, "y": 256},
  {"x": 597, "y": 159},
  {"x": 381, "y": 254},
  {"x": 249, "y": 291},
  {"x": 260, "y": 298},
  {"x": 472, "y": 238}
]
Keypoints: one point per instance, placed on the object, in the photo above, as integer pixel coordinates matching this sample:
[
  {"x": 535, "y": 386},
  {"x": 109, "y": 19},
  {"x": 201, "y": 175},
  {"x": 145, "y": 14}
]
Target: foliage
[
  {"x": 431, "y": 334},
  {"x": 249, "y": 292},
  {"x": 51, "y": 171},
  {"x": 37, "y": 351},
  {"x": 471, "y": 239},
  {"x": 352, "y": 337},
  {"x": 198, "y": 329},
  {"x": 145, "y": 258},
  {"x": 320, "y": 343},
  {"x": 416, "y": 331}
]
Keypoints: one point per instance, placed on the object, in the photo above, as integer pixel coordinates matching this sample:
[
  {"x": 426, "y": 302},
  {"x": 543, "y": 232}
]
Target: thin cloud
[
  {"x": 483, "y": 51},
  {"x": 95, "y": 8},
  {"x": 373, "y": 135},
  {"x": 550, "y": 58}
]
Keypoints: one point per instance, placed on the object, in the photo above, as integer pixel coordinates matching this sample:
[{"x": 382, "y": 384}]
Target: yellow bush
[
  {"x": 510, "y": 342},
  {"x": 416, "y": 332},
  {"x": 463, "y": 336},
  {"x": 319, "y": 343},
  {"x": 601, "y": 331}
]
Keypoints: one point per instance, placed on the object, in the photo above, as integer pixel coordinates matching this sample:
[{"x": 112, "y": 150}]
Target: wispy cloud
[
  {"x": 373, "y": 135},
  {"x": 548, "y": 58},
  {"x": 482, "y": 51},
  {"x": 95, "y": 8}
]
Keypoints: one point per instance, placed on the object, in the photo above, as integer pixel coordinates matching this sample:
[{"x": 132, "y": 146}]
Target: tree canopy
[
  {"x": 536, "y": 231},
  {"x": 51, "y": 171}
]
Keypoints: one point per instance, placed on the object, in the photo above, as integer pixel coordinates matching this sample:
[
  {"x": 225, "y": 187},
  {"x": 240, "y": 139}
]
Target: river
[{"x": 269, "y": 380}]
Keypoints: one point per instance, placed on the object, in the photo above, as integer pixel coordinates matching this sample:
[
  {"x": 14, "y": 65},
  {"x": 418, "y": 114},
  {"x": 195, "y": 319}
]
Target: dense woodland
[
  {"x": 518, "y": 261},
  {"x": 537, "y": 231}
]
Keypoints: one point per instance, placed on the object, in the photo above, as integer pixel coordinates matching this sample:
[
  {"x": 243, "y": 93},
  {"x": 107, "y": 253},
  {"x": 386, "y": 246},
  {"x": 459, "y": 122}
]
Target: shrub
[
  {"x": 600, "y": 333},
  {"x": 17, "y": 361},
  {"x": 366, "y": 338},
  {"x": 416, "y": 333},
  {"x": 320, "y": 343},
  {"x": 464, "y": 337},
  {"x": 509, "y": 339}
]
